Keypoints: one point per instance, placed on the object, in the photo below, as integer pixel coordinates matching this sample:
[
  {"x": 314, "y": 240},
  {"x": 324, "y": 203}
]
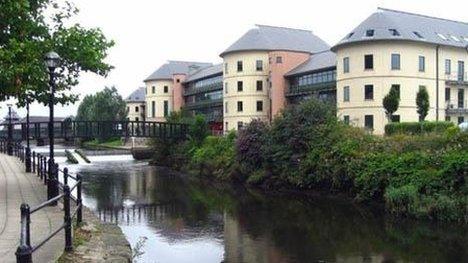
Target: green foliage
[
  {"x": 250, "y": 145},
  {"x": 417, "y": 127},
  {"x": 391, "y": 102},
  {"x": 31, "y": 28},
  {"x": 422, "y": 102},
  {"x": 198, "y": 130}
]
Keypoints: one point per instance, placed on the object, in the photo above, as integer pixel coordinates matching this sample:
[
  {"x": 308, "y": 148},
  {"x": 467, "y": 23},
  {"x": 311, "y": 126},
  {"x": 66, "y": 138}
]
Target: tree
[
  {"x": 31, "y": 28},
  {"x": 422, "y": 102},
  {"x": 105, "y": 105},
  {"x": 391, "y": 102}
]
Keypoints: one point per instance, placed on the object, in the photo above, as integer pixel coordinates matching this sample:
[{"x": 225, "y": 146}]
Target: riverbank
[
  {"x": 306, "y": 148},
  {"x": 96, "y": 241}
]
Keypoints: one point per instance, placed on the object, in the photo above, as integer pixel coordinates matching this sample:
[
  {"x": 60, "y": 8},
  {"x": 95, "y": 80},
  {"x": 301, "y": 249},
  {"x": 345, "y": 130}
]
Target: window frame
[
  {"x": 259, "y": 65},
  {"x": 346, "y": 65},
  {"x": 366, "y": 61},
  {"x": 259, "y": 102},
  {"x": 397, "y": 58},
  {"x": 257, "y": 86},
  {"x": 366, "y": 92},
  {"x": 346, "y": 94},
  {"x": 240, "y": 66},
  {"x": 240, "y": 106},
  {"x": 421, "y": 63},
  {"x": 240, "y": 86},
  {"x": 371, "y": 118}
]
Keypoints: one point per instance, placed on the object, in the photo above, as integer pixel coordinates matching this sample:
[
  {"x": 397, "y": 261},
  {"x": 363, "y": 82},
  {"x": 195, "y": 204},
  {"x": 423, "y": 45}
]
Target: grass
[{"x": 112, "y": 143}]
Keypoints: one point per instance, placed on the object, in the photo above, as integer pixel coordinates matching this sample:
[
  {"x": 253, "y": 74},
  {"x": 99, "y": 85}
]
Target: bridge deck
[{"x": 17, "y": 187}]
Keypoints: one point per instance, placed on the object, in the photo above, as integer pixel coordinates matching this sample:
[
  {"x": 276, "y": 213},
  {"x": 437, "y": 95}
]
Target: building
[
  {"x": 136, "y": 105},
  {"x": 407, "y": 51},
  {"x": 270, "y": 67}
]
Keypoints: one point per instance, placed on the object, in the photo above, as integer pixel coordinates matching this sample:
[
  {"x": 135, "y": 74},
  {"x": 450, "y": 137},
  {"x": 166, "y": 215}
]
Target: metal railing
[{"x": 39, "y": 167}]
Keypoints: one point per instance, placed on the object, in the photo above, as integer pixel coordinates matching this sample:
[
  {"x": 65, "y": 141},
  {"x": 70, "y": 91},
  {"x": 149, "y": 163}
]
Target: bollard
[
  {"x": 79, "y": 214},
  {"x": 67, "y": 218}
]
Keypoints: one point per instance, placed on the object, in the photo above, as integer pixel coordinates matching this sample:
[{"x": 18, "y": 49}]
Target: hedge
[{"x": 417, "y": 127}]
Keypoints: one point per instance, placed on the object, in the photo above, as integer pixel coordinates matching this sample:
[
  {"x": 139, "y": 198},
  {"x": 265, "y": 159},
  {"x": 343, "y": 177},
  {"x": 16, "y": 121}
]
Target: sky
[{"x": 150, "y": 32}]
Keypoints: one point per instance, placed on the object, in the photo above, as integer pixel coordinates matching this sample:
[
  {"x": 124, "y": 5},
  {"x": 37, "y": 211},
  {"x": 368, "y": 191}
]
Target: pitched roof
[
  {"x": 206, "y": 72},
  {"x": 271, "y": 38},
  {"x": 137, "y": 95},
  {"x": 322, "y": 60},
  {"x": 174, "y": 67},
  {"x": 397, "y": 25}
]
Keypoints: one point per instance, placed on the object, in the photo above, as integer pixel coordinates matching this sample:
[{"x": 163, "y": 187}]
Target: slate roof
[
  {"x": 454, "y": 33},
  {"x": 322, "y": 60},
  {"x": 271, "y": 38},
  {"x": 138, "y": 95},
  {"x": 172, "y": 67},
  {"x": 206, "y": 72}
]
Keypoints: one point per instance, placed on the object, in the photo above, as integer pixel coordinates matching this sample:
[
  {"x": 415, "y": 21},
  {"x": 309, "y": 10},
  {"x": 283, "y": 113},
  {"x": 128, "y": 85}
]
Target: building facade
[
  {"x": 136, "y": 105},
  {"x": 270, "y": 67}
]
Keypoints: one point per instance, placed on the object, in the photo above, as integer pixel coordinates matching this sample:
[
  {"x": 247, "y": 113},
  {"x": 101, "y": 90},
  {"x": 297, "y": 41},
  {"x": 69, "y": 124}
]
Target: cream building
[
  {"x": 136, "y": 105},
  {"x": 409, "y": 51}
]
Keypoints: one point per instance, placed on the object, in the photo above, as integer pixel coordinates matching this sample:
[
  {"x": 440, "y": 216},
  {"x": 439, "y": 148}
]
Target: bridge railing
[{"x": 25, "y": 249}]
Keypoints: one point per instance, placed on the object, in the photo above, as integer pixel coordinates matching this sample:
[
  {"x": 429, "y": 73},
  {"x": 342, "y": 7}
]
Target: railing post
[
  {"x": 24, "y": 251},
  {"x": 79, "y": 214},
  {"x": 27, "y": 161},
  {"x": 67, "y": 218},
  {"x": 34, "y": 162},
  {"x": 65, "y": 176}
]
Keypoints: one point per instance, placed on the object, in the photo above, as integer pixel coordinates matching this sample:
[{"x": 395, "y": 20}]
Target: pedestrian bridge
[{"x": 93, "y": 129}]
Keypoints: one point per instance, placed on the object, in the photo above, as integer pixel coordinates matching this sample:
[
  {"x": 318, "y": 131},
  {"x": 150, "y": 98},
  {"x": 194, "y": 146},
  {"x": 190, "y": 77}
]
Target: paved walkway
[{"x": 17, "y": 187}]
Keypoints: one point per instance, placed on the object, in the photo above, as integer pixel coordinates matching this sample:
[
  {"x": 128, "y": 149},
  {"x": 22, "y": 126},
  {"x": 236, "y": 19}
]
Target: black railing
[
  {"x": 94, "y": 129},
  {"x": 39, "y": 166}
]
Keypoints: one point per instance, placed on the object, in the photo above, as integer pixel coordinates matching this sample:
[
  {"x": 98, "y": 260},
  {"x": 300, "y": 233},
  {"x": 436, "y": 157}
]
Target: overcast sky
[{"x": 149, "y": 32}]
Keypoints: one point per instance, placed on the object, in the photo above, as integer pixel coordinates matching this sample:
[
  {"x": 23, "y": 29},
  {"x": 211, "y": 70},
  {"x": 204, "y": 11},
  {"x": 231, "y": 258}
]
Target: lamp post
[
  {"x": 10, "y": 132},
  {"x": 27, "y": 160},
  {"x": 52, "y": 61}
]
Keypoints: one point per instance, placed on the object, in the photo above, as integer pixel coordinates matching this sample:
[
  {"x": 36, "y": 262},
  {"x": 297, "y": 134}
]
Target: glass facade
[
  {"x": 321, "y": 85},
  {"x": 314, "y": 78}
]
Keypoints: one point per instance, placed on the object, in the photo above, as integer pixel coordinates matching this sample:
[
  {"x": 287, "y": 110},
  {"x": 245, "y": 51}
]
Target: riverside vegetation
[{"x": 308, "y": 148}]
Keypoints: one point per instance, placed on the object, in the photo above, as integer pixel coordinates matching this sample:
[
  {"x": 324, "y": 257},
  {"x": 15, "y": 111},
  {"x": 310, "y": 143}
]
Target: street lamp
[
  {"x": 28, "y": 148},
  {"x": 52, "y": 61},
  {"x": 10, "y": 132}
]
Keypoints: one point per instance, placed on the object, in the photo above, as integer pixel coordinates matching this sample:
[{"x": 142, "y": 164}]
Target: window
[
  {"x": 350, "y": 35},
  {"x": 240, "y": 125},
  {"x": 397, "y": 87},
  {"x": 395, "y": 61},
  {"x": 166, "y": 108},
  {"x": 240, "y": 106},
  {"x": 240, "y": 86},
  {"x": 370, "y": 33},
  {"x": 395, "y": 118},
  {"x": 226, "y": 107},
  {"x": 240, "y": 66},
  {"x": 226, "y": 87},
  {"x": 226, "y": 68},
  {"x": 447, "y": 94},
  {"x": 153, "y": 89},
  {"x": 461, "y": 98},
  {"x": 259, "y": 65},
  {"x": 369, "y": 122},
  {"x": 369, "y": 62},
  {"x": 259, "y": 85},
  {"x": 442, "y": 36},
  {"x": 448, "y": 66},
  {"x": 137, "y": 119},
  {"x": 346, "y": 65},
  {"x": 279, "y": 60},
  {"x": 178, "y": 80},
  {"x": 153, "y": 109},
  {"x": 346, "y": 93},
  {"x": 227, "y": 126},
  {"x": 422, "y": 63},
  {"x": 166, "y": 89},
  {"x": 461, "y": 71},
  {"x": 369, "y": 92},
  {"x": 461, "y": 119},
  {"x": 346, "y": 119},
  {"x": 394, "y": 32},
  {"x": 137, "y": 109},
  {"x": 417, "y": 34},
  {"x": 259, "y": 105},
  {"x": 447, "y": 118}
]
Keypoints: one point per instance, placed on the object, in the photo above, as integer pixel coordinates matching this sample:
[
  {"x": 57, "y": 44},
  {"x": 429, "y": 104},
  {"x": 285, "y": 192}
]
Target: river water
[{"x": 174, "y": 218}]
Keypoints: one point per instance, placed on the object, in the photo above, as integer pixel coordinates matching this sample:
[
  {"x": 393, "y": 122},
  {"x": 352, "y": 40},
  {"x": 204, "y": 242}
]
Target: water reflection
[{"x": 192, "y": 221}]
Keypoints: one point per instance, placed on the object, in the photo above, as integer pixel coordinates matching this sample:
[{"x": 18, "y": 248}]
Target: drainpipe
[{"x": 437, "y": 82}]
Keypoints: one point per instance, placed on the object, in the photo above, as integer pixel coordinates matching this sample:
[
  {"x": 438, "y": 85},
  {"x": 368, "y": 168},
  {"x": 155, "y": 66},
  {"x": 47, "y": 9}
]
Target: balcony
[
  {"x": 456, "y": 79},
  {"x": 298, "y": 90},
  {"x": 457, "y": 108},
  {"x": 208, "y": 88},
  {"x": 204, "y": 104}
]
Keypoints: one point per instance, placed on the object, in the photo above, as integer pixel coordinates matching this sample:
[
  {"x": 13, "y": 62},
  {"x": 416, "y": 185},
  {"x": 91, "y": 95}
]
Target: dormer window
[
  {"x": 417, "y": 34},
  {"x": 455, "y": 38},
  {"x": 394, "y": 32},
  {"x": 370, "y": 33},
  {"x": 350, "y": 35},
  {"x": 442, "y": 36}
]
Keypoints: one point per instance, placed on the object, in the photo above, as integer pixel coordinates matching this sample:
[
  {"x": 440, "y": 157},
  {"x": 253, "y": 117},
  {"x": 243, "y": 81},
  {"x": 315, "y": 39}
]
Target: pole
[
  {"x": 10, "y": 133},
  {"x": 52, "y": 186},
  {"x": 28, "y": 148}
]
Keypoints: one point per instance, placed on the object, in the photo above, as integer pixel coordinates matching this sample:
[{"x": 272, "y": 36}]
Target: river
[{"x": 175, "y": 218}]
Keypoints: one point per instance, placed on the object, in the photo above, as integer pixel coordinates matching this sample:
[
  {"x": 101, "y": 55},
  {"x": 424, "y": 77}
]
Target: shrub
[
  {"x": 250, "y": 144},
  {"x": 413, "y": 128}
]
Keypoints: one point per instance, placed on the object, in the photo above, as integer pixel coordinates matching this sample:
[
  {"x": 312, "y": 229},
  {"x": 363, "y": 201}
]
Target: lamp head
[{"x": 52, "y": 60}]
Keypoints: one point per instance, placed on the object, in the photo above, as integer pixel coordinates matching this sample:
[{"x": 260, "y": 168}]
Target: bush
[
  {"x": 250, "y": 145},
  {"x": 413, "y": 128}
]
